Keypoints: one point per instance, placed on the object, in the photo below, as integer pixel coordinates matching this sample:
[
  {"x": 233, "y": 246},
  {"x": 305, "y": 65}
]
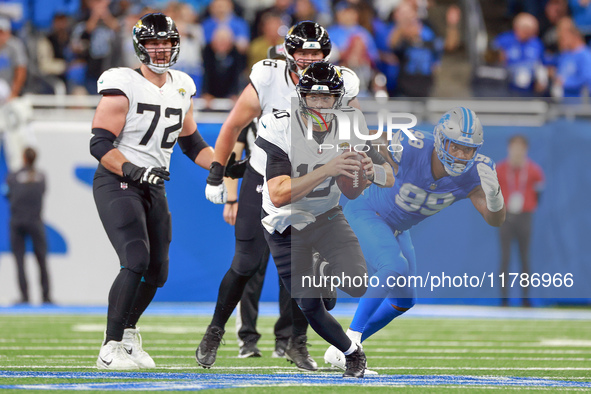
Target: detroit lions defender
[
  {"x": 432, "y": 172},
  {"x": 272, "y": 86},
  {"x": 139, "y": 119},
  {"x": 300, "y": 200}
]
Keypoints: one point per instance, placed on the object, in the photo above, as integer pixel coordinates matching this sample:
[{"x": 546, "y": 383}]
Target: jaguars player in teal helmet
[
  {"x": 141, "y": 116},
  {"x": 432, "y": 171}
]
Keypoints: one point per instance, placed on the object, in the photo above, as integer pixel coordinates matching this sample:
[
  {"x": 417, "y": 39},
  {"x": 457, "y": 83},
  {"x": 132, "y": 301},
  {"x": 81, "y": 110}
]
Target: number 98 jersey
[
  {"x": 415, "y": 194},
  {"x": 155, "y": 116}
]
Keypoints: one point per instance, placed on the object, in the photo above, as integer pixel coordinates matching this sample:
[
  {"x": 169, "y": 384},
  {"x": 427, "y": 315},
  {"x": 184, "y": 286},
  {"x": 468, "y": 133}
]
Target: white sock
[
  {"x": 351, "y": 349},
  {"x": 355, "y": 336}
]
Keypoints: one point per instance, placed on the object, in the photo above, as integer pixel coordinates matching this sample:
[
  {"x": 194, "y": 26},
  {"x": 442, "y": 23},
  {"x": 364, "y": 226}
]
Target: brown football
[{"x": 352, "y": 188}]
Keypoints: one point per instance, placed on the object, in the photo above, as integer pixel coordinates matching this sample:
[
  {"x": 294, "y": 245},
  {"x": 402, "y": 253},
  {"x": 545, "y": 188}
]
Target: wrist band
[
  {"x": 379, "y": 177},
  {"x": 495, "y": 204},
  {"x": 231, "y": 202}
]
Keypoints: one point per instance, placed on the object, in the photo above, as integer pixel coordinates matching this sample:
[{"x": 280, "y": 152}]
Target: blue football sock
[
  {"x": 366, "y": 308},
  {"x": 380, "y": 319}
]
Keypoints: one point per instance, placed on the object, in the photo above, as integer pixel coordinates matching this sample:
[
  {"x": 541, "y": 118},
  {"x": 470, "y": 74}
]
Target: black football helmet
[
  {"x": 320, "y": 78},
  {"x": 156, "y": 26},
  {"x": 306, "y": 35}
]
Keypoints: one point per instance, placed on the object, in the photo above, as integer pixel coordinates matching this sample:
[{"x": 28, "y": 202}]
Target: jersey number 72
[{"x": 168, "y": 112}]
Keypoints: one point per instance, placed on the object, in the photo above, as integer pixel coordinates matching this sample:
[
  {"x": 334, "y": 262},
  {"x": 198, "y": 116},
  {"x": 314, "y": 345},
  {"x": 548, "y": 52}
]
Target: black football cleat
[
  {"x": 280, "y": 346},
  {"x": 249, "y": 349},
  {"x": 297, "y": 353},
  {"x": 208, "y": 348},
  {"x": 355, "y": 364}
]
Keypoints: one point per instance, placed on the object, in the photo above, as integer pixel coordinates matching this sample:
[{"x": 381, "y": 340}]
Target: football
[{"x": 353, "y": 187}]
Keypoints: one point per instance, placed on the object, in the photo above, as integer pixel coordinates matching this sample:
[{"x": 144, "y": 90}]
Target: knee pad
[
  {"x": 136, "y": 256},
  {"x": 157, "y": 274},
  {"x": 309, "y": 305},
  {"x": 245, "y": 265}
]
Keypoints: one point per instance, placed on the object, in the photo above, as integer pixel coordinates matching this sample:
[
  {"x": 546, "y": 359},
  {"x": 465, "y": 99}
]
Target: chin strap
[{"x": 157, "y": 70}]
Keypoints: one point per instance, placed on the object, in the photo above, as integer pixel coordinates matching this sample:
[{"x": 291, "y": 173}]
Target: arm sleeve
[
  {"x": 277, "y": 160},
  {"x": 374, "y": 155},
  {"x": 101, "y": 142},
  {"x": 192, "y": 144}
]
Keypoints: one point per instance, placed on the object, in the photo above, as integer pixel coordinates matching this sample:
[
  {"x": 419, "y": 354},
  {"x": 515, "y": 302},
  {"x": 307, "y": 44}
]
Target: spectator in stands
[
  {"x": 356, "y": 47},
  {"x": 223, "y": 65},
  {"x": 53, "y": 51},
  {"x": 418, "y": 50},
  {"x": 533, "y": 7},
  {"x": 445, "y": 21},
  {"x": 521, "y": 182},
  {"x": 304, "y": 10},
  {"x": 222, "y": 14},
  {"x": 581, "y": 12},
  {"x": 280, "y": 7},
  {"x": 270, "y": 26},
  {"x": 190, "y": 58},
  {"x": 521, "y": 53},
  {"x": 94, "y": 42},
  {"x": 388, "y": 62},
  {"x": 366, "y": 13},
  {"x": 553, "y": 12},
  {"x": 25, "y": 189},
  {"x": 13, "y": 59},
  {"x": 385, "y": 8},
  {"x": 573, "y": 65}
]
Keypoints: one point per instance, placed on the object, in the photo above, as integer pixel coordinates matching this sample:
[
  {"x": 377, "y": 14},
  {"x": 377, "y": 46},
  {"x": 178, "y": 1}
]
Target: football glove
[
  {"x": 145, "y": 175},
  {"x": 215, "y": 190},
  {"x": 491, "y": 187},
  {"x": 235, "y": 169}
]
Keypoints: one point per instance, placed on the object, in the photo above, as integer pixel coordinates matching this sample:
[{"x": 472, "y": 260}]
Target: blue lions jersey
[{"x": 415, "y": 194}]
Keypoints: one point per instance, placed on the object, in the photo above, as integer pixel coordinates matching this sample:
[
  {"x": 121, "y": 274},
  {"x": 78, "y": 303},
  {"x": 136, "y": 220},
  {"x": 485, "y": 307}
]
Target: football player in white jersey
[
  {"x": 140, "y": 117},
  {"x": 300, "y": 199},
  {"x": 272, "y": 86}
]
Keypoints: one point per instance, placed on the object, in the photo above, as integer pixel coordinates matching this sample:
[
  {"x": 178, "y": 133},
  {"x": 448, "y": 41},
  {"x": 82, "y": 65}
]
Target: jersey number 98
[{"x": 412, "y": 198}]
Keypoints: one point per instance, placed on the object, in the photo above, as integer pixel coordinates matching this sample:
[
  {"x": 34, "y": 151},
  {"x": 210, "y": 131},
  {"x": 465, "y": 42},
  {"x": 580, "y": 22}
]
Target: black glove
[
  {"x": 151, "y": 175},
  {"x": 216, "y": 174},
  {"x": 235, "y": 169}
]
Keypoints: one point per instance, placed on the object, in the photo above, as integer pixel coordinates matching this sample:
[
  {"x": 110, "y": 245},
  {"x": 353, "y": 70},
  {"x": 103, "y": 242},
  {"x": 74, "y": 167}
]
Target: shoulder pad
[
  {"x": 264, "y": 72},
  {"x": 351, "y": 81},
  {"x": 115, "y": 79},
  {"x": 480, "y": 158}
]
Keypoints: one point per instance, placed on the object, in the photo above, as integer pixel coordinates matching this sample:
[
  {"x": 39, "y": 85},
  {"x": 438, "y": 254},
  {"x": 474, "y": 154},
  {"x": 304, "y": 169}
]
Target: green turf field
[{"x": 423, "y": 354}]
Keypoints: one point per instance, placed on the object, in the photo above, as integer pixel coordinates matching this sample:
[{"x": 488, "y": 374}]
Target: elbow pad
[
  {"x": 192, "y": 144},
  {"x": 101, "y": 142}
]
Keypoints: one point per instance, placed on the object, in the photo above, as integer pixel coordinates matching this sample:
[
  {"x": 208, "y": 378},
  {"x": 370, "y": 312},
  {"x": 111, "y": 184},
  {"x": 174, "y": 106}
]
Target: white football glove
[
  {"x": 491, "y": 187},
  {"x": 216, "y": 194}
]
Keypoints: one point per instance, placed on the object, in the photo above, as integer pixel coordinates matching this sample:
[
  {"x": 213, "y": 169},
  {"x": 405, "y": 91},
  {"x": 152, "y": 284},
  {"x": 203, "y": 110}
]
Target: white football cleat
[
  {"x": 132, "y": 344},
  {"x": 336, "y": 358},
  {"x": 113, "y": 356}
]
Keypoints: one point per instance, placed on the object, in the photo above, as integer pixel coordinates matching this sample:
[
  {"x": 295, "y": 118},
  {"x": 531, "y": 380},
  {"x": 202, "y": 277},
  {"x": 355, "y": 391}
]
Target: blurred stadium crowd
[{"x": 398, "y": 48}]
